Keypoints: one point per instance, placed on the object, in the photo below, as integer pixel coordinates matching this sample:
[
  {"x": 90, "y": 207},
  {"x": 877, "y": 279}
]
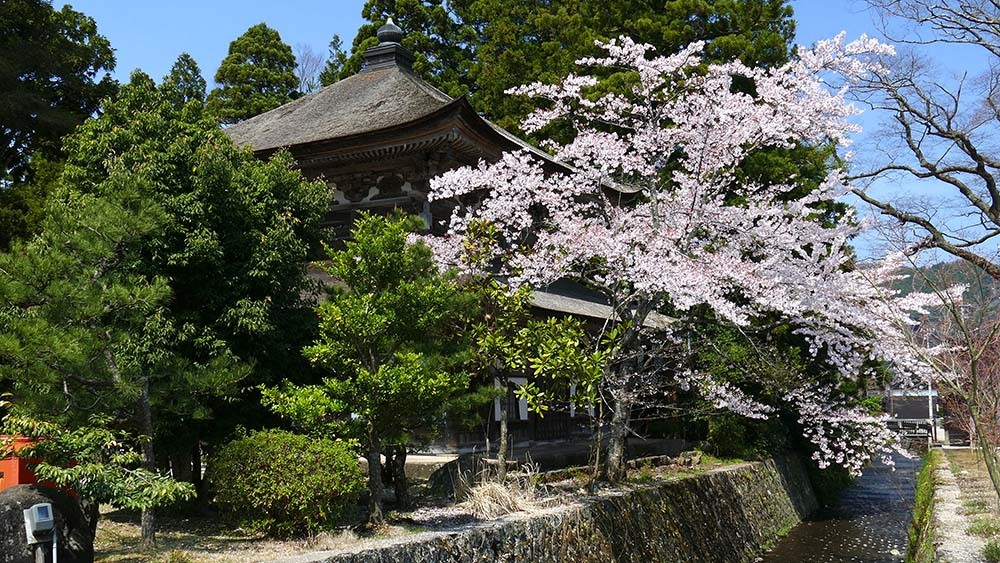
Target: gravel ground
[{"x": 954, "y": 544}]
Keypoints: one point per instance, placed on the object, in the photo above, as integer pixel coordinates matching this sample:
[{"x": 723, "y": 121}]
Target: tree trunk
[
  {"x": 197, "y": 479},
  {"x": 182, "y": 466},
  {"x": 397, "y": 468},
  {"x": 91, "y": 514},
  {"x": 617, "y": 434},
  {"x": 599, "y": 445},
  {"x": 989, "y": 455},
  {"x": 149, "y": 464},
  {"x": 504, "y": 439},
  {"x": 375, "y": 515}
]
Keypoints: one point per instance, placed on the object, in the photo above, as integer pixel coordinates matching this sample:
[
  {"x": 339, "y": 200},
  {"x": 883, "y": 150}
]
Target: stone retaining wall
[{"x": 728, "y": 515}]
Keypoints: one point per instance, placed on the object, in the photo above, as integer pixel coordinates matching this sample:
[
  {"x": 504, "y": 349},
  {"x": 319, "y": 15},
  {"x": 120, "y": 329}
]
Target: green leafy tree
[
  {"x": 184, "y": 83},
  {"x": 84, "y": 331},
  {"x": 257, "y": 75},
  {"x": 508, "y": 341},
  {"x": 232, "y": 243},
  {"x": 22, "y": 203},
  {"x": 53, "y": 73},
  {"x": 391, "y": 341}
]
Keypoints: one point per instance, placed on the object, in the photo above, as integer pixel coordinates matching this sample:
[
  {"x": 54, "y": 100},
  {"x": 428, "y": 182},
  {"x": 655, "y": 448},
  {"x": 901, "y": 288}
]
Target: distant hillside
[{"x": 983, "y": 292}]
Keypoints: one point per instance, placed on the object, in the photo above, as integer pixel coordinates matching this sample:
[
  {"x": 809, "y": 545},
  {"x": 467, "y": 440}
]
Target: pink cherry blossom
[{"x": 653, "y": 213}]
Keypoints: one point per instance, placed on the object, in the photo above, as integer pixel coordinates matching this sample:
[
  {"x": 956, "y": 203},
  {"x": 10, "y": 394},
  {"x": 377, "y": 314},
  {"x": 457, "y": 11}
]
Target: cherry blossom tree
[{"x": 654, "y": 214}]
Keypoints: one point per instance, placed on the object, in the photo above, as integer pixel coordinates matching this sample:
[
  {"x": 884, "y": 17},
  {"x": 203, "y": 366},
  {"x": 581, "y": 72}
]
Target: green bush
[{"x": 285, "y": 484}]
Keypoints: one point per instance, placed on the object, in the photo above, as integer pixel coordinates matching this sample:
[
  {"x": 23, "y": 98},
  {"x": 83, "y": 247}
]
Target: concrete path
[{"x": 954, "y": 545}]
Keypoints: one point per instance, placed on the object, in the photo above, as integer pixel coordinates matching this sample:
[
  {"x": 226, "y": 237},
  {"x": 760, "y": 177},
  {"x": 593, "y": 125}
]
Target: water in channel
[{"x": 867, "y": 525}]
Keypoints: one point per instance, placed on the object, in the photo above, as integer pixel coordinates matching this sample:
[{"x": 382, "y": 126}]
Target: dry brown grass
[{"x": 488, "y": 497}]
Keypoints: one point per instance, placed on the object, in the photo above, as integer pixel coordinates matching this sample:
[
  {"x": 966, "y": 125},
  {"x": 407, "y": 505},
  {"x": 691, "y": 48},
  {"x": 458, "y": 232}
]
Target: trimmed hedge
[{"x": 285, "y": 484}]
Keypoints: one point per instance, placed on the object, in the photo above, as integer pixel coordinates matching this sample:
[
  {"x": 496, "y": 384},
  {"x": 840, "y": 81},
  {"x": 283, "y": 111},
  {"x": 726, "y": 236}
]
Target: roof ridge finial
[{"x": 390, "y": 32}]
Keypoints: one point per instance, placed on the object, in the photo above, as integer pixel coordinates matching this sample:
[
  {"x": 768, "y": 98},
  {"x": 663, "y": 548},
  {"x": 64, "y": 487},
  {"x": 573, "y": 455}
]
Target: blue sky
[{"x": 150, "y": 35}]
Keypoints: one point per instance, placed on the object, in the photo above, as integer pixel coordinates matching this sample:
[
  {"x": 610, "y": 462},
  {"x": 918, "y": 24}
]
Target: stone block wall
[{"x": 727, "y": 515}]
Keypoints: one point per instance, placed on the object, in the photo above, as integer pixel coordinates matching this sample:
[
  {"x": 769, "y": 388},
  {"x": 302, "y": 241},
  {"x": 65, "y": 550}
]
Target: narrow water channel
[{"x": 867, "y": 525}]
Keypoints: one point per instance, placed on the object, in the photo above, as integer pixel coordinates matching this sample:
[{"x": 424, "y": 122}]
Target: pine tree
[
  {"x": 184, "y": 83},
  {"x": 85, "y": 339},
  {"x": 257, "y": 75}
]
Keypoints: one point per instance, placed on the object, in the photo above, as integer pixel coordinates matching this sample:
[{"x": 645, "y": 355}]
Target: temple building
[{"x": 377, "y": 139}]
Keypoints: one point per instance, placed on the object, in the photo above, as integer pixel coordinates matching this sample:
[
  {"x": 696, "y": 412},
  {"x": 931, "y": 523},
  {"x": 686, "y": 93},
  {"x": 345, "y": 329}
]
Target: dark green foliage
[
  {"x": 237, "y": 230},
  {"x": 53, "y": 73},
  {"x": 184, "y": 83},
  {"x": 22, "y": 204},
  {"x": 257, "y": 75},
  {"x": 485, "y": 47},
  {"x": 285, "y": 484},
  {"x": 920, "y": 545},
  {"x": 732, "y": 436}
]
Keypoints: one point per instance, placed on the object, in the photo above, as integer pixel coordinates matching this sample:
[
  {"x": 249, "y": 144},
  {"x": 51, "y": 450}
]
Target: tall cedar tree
[
  {"x": 257, "y": 75},
  {"x": 391, "y": 340},
  {"x": 233, "y": 245},
  {"x": 185, "y": 83},
  {"x": 53, "y": 73}
]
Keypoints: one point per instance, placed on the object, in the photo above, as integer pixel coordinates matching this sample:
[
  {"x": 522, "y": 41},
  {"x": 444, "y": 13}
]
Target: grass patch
[
  {"x": 709, "y": 459},
  {"x": 973, "y": 506},
  {"x": 984, "y": 527},
  {"x": 643, "y": 475},
  {"x": 991, "y": 552},
  {"x": 920, "y": 544}
]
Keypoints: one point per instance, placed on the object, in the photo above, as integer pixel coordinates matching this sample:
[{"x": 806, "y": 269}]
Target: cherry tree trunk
[
  {"x": 618, "y": 432},
  {"x": 989, "y": 455}
]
